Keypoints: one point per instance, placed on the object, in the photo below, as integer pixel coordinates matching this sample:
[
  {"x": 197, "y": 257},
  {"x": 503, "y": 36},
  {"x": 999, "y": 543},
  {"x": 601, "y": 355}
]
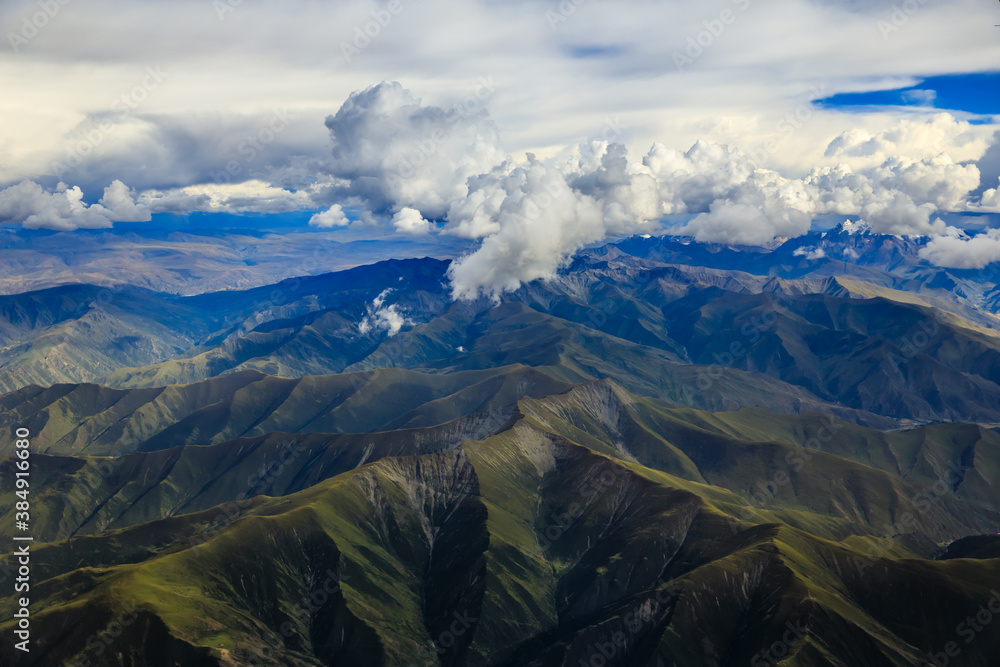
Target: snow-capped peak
[{"x": 852, "y": 228}]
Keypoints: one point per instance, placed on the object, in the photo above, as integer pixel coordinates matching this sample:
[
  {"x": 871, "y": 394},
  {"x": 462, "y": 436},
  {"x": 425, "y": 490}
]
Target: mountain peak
[{"x": 852, "y": 228}]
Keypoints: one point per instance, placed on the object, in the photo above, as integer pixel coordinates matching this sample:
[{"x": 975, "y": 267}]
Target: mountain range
[{"x": 669, "y": 453}]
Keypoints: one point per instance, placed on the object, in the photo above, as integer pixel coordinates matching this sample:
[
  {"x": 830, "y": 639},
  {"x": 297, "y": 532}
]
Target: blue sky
[{"x": 973, "y": 93}]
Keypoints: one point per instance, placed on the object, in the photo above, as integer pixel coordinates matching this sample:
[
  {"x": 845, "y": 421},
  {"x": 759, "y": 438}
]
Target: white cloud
[
  {"x": 737, "y": 202},
  {"x": 409, "y": 221},
  {"x": 691, "y": 181},
  {"x": 897, "y": 213},
  {"x": 29, "y": 205},
  {"x": 811, "y": 253},
  {"x": 915, "y": 138},
  {"x": 252, "y": 196},
  {"x": 381, "y": 317},
  {"x": 990, "y": 200},
  {"x": 963, "y": 253},
  {"x": 120, "y": 202},
  {"x": 629, "y": 194},
  {"x": 540, "y": 222},
  {"x": 392, "y": 151},
  {"x": 475, "y": 215},
  {"x": 935, "y": 180},
  {"x": 920, "y": 96},
  {"x": 989, "y": 164},
  {"x": 223, "y": 72},
  {"x": 839, "y": 190},
  {"x": 747, "y": 224},
  {"x": 332, "y": 217}
]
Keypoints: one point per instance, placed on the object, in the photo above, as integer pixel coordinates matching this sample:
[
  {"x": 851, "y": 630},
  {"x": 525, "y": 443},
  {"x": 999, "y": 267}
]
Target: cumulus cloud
[
  {"x": 30, "y": 205},
  {"x": 897, "y": 213},
  {"x": 963, "y": 253},
  {"x": 741, "y": 223},
  {"x": 252, "y": 196},
  {"x": 730, "y": 198},
  {"x": 628, "y": 195},
  {"x": 475, "y": 215},
  {"x": 423, "y": 169},
  {"x": 411, "y": 164},
  {"x": 736, "y": 202},
  {"x": 381, "y": 317},
  {"x": 409, "y": 221},
  {"x": 810, "y": 252},
  {"x": 391, "y": 151},
  {"x": 839, "y": 189},
  {"x": 914, "y": 137},
  {"x": 332, "y": 217},
  {"x": 540, "y": 222},
  {"x": 119, "y": 200},
  {"x": 989, "y": 165},
  {"x": 935, "y": 180},
  {"x": 991, "y": 200},
  {"x": 899, "y": 196},
  {"x": 535, "y": 215}
]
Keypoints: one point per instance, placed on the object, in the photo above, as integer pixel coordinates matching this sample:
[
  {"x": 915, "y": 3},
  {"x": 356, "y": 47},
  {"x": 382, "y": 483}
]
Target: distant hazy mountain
[
  {"x": 688, "y": 333},
  {"x": 191, "y": 259},
  {"x": 849, "y": 250}
]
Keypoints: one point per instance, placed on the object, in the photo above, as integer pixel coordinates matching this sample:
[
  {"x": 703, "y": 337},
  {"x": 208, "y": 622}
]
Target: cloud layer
[
  {"x": 28, "y": 204},
  {"x": 230, "y": 118},
  {"x": 532, "y": 215},
  {"x": 423, "y": 169}
]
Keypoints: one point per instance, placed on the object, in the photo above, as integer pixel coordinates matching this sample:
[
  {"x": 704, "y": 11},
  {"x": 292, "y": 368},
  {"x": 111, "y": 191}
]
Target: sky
[{"x": 532, "y": 127}]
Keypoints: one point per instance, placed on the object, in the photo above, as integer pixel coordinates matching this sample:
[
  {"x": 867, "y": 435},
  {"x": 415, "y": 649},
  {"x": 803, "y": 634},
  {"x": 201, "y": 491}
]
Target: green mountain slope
[
  {"x": 97, "y": 421},
  {"x": 863, "y": 478},
  {"x": 521, "y": 549}
]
